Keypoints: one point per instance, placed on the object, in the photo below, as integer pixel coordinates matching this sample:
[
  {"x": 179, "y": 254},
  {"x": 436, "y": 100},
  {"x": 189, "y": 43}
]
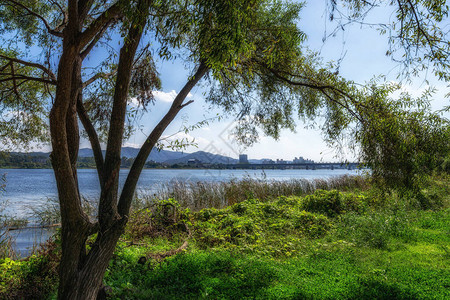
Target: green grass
[
  {"x": 326, "y": 246},
  {"x": 347, "y": 244},
  {"x": 325, "y": 275}
]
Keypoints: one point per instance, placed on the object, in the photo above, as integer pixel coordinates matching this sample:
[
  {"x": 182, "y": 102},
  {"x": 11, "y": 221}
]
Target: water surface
[
  {"x": 26, "y": 188},
  {"x": 29, "y": 188}
]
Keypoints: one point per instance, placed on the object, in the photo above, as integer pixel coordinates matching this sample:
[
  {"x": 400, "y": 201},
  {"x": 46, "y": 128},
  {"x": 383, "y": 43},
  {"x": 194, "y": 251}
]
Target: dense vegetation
[
  {"x": 258, "y": 69},
  {"x": 351, "y": 243}
]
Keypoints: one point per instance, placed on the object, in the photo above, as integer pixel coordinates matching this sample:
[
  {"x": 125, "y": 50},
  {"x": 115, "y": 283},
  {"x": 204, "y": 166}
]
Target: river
[{"x": 28, "y": 188}]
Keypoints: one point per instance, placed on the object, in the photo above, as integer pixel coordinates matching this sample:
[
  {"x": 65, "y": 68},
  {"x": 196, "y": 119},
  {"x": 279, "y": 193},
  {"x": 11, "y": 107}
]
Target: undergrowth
[{"x": 356, "y": 243}]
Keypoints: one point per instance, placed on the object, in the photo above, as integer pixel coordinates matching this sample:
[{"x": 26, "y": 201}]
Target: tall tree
[
  {"x": 250, "y": 51},
  {"x": 43, "y": 72}
]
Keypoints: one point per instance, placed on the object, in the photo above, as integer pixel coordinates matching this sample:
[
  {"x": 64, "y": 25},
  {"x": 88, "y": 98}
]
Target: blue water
[{"x": 26, "y": 188}]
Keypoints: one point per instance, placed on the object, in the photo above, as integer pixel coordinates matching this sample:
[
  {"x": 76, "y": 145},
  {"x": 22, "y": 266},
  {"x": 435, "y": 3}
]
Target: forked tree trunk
[{"x": 81, "y": 271}]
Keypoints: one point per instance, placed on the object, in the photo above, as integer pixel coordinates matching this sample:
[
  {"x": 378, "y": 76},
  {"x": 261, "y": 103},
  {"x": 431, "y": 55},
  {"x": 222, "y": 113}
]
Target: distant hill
[
  {"x": 43, "y": 154},
  {"x": 162, "y": 156},
  {"x": 203, "y": 157},
  {"x": 129, "y": 152}
]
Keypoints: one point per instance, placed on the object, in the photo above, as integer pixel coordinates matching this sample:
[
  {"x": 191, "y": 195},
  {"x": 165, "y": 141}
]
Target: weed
[
  {"x": 199, "y": 195},
  {"x": 162, "y": 218},
  {"x": 333, "y": 203},
  {"x": 32, "y": 278}
]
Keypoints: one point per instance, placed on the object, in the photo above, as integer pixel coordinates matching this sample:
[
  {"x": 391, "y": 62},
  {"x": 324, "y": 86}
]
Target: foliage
[
  {"x": 198, "y": 195},
  {"x": 418, "y": 35},
  {"x": 252, "y": 53},
  {"x": 162, "y": 218},
  {"x": 358, "y": 253},
  {"x": 361, "y": 255},
  {"x": 401, "y": 140},
  {"x": 259, "y": 227},
  {"x": 333, "y": 203},
  {"x": 32, "y": 278}
]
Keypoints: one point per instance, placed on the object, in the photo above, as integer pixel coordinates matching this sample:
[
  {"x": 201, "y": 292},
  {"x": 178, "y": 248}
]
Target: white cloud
[
  {"x": 167, "y": 96},
  {"x": 133, "y": 102},
  {"x": 132, "y": 145}
]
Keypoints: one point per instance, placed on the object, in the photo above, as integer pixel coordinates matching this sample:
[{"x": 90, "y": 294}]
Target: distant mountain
[
  {"x": 203, "y": 157},
  {"x": 46, "y": 154},
  {"x": 162, "y": 156},
  {"x": 129, "y": 152}
]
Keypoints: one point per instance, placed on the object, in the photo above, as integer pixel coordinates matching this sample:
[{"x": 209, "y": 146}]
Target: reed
[{"x": 200, "y": 194}]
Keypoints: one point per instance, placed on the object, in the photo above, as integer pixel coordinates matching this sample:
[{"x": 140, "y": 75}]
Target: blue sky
[{"x": 363, "y": 51}]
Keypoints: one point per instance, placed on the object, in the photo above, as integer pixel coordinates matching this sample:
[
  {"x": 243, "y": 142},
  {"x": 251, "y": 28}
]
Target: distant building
[
  {"x": 281, "y": 161},
  {"x": 301, "y": 160},
  {"x": 268, "y": 161},
  {"x": 243, "y": 159}
]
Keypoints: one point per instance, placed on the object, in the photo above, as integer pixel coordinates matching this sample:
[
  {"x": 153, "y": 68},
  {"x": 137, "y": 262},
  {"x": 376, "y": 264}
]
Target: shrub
[
  {"x": 269, "y": 228},
  {"x": 162, "y": 218},
  {"x": 332, "y": 203},
  {"x": 32, "y": 278}
]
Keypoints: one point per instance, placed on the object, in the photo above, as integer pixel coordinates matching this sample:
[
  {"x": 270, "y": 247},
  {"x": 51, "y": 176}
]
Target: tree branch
[
  {"x": 108, "y": 199},
  {"x": 83, "y": 8},
  {"x": 133, "y": 176},
  {"x": 93, "y": 138},
  {"x": 98, "y": 76},
  {"x": 95, "y": 40},
  {"x": 16, "y": 77},
  {"x": 186, "y": 104},
  {"x": 420, "y": 29},
  {"x": 323, "y": 89},
  {"x": 64, "y": 14},
  {"x": 73, "y": 21},
  {"x": 30, "y": 64},
  {"x": 14, "y": 4},
  {"x": 97, "y": 25}
]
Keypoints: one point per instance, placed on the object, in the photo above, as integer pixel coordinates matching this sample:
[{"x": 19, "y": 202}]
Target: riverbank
[{"x": 350, "y": 243}]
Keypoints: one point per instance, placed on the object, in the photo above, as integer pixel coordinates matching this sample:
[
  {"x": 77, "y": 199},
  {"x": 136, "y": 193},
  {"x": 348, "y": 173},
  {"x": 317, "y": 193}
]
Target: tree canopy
[{"x": 253, "y": 56}]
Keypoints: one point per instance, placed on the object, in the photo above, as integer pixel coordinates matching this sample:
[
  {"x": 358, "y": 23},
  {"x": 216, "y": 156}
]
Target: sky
[{"x": 362, "y": 53}]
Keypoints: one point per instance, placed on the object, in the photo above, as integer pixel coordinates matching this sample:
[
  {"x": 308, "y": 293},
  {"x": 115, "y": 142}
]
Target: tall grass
[{"x": 199, "y": 195}]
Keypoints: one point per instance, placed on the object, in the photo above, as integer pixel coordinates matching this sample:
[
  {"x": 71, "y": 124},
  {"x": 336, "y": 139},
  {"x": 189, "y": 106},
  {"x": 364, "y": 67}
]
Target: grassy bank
[{"x": 351, "y": 243}]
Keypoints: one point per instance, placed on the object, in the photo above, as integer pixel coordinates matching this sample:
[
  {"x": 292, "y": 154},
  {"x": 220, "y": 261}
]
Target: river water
[{"x": 29, "y": 188}]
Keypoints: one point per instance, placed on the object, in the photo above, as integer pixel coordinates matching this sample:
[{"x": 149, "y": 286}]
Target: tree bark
[{"x": 81, "y": 273}]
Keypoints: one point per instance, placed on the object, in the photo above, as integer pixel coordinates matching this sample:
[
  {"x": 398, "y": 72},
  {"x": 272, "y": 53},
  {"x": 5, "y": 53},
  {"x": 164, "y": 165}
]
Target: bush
[
  {"x": 332, "y": 203},
  {"x": 162, "y": 218},
  {"x": 270, "y": 228},
  {"x": 32, "y": 278}
]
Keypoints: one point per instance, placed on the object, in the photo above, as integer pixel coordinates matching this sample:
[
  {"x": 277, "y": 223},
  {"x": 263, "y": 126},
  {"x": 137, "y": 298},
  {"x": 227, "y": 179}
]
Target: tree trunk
[
  {"x": 86, "y": 281},
  {"x": 81, "y": 273}
]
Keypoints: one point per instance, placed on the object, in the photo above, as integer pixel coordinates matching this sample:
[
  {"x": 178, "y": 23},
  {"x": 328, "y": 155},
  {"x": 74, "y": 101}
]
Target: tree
[
  {"x": 222, "y": 38},
  {"x": 250, "y": 51}
]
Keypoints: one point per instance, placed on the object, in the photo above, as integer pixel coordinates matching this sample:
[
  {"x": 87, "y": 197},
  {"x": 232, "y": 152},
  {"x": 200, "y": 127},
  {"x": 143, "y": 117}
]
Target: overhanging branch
[
  {"x": 18, "y": 77},
  {"x": 18, "y": 5},
  {"x": 98, "y": 24},
  {"x": 30, "y": 64}
]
